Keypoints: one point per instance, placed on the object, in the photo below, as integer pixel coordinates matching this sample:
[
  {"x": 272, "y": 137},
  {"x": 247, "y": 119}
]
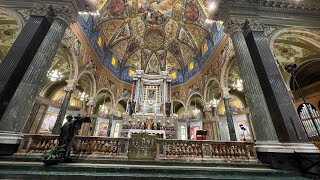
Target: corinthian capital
[
  {"x": 66, "y": 10},
  {"x": 234, "y": 24},
  {"x": 253, "y": 25}
]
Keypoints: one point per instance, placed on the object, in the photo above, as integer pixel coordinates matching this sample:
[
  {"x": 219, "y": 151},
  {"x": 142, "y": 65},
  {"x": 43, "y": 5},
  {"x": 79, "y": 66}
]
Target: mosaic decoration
[
  {"x": 191, "y": 12},
  {"x": 124, "y": 33},
  {"x": 154, "y": 38},
  {"x": 146, "y": 54},
  {"x": 124, "y": 39},
  {"x": 161, "y": 55},
  {"x": 185, "y": 37},
  {"x": 116, "y": 7},
  {"x": 163, "y": 6}
]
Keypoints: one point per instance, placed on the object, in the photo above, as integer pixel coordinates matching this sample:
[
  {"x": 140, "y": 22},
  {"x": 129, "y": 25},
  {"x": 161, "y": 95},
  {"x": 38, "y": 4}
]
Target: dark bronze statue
[
  {"x": 168, "y": 109},
  {"x": 132, "y": 106},
  {"x": 68, "y": 131}
]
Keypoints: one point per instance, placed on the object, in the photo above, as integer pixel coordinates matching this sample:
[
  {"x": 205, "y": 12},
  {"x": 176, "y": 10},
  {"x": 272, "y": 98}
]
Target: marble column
[
  {"x": 18, "y": 59},
  {"x": 261, "y": 118},
  {"x": 85, "y": 131},
  {"x": 63, "y": 111},
  {"x": 22, "y": 102},
  {"x": 228, "y": 112},
  {"x": 208, "y": 123},
  {"x": 284, "y": 116}
]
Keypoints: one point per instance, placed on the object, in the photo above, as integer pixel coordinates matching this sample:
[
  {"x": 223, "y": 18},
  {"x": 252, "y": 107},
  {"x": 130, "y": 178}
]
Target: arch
[
  {"x": 73, "y": 62},
  {"x": 73, "y": 65},
  {"x": 15, "y": 15},
  {"x": 190, "y": 98},
  {"x": 229, "y": 59},
  {"x": 93, "y": 89},
  {"x": 308, "y": 68},
  {"x": 279, "y": 32},
  {"x": 113, "y": 101},
  {"x": 206, "y": 88}
]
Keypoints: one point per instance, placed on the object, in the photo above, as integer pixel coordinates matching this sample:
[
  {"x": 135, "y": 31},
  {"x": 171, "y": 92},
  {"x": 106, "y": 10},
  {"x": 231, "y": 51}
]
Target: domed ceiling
[{"x": 152, "y": 35}]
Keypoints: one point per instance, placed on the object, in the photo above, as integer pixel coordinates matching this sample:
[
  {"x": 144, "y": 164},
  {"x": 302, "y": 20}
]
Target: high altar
[{"x": 150, "y": 107}]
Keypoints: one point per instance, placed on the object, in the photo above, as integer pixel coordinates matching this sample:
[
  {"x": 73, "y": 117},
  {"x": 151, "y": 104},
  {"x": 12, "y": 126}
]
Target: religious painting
[
  {"x": 191, "y": 12},
  {"x": 116, "y": 7},
  {"x": 155, "y": 11},
  {"x": 102, "y": 127},
  {"x": 48, "y": 122},
  {"x": 243, "y": 130},
  {"x": 151, "y": 94}
]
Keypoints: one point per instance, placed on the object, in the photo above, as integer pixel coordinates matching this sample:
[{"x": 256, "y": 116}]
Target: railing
[
  {"x": 206, "y": 150},
  {"x": 103, "y": 147}
]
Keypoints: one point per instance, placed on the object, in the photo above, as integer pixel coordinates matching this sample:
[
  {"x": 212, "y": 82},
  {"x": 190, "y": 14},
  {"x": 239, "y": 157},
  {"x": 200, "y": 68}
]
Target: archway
[{"x": 10, "y": 27}]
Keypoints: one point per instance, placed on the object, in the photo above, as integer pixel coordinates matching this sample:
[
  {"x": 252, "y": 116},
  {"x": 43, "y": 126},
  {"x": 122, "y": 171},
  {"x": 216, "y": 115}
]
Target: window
[
  {"x": 114, "y": 61},
  {"x": 183, "y": 133},
  {"x": 100, "y": 41},
  {"x": 131, "y": 72},
  {"x": 174, "y": 74},
  {"x": 205, "y": 48},
  {"x": 116, "y": 130},
  {"x": 191, "y": 66}
]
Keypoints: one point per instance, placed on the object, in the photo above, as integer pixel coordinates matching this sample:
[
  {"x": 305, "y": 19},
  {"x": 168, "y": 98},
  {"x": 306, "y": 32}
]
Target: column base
[
  {"x": 289, "y": 156},
  {"x": 9, "y": 142}
]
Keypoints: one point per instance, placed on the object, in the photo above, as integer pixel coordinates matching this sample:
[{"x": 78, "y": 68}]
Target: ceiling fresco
[
  {"x": 9, "y": 31},
  {"x": 152, "y": 35}
]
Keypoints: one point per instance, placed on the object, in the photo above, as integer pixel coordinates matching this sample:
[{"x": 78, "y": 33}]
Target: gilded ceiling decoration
[
  {"x": 8, "y": 33},
  {"x": 152, "y": 35}
]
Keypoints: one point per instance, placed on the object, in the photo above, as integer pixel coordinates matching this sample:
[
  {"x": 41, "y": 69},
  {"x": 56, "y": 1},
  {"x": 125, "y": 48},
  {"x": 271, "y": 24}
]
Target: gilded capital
[
  {"x": 233, "y": 24},
  {"x": 52, "y": 9}
]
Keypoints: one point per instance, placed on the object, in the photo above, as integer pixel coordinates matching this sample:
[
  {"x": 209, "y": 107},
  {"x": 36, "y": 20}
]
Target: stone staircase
[{"x": 93, "y": 169}]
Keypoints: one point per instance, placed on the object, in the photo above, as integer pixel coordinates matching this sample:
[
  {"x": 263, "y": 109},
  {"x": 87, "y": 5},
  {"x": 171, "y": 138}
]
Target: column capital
[
  {"x": 91, "y": 102},
  {"x": 225, "y": 92},
  {"x": 234, "y": 24},
  {"x": 71, "y": 86},
  {"x": 66, "y": 10},
  {"x": 207, "y": 107}
]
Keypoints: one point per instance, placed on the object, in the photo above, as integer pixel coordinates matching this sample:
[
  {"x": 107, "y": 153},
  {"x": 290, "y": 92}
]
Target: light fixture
[
  {"x": 212, "y": 6},
  {"x": 103, "y": 107},
  {"x": 195, "y": 111},
  {"x": 214, "y": 102},
  {"x": 208, "y": 21},
  {"x": 96, "y": 13},
  {"x": 238, "y": 85},
  {"x": 54, "y": 75},
  {"x": 83, "y": 96}
]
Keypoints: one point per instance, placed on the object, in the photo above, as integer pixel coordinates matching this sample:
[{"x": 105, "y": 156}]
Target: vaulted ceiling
[{"x": 153, "y": 35}]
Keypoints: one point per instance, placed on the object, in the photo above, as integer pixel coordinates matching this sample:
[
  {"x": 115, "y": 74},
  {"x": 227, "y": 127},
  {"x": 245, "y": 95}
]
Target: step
[{"x": 36, "y": 170}]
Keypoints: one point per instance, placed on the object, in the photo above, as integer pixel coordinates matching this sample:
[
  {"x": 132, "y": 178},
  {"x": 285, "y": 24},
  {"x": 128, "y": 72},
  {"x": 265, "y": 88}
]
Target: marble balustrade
[{"x": 166, "y": 149}]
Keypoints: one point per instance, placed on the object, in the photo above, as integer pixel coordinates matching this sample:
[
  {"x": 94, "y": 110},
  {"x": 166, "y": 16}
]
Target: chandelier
[
  {"x": 103, "y": 107},
  {"x": 214, "y": 102},
  {"x": 54, "y": 75},
  {"x": 238, "y": 85},
  {"x": 195, "y": 111},
  {"x": 83, "y": 96}
]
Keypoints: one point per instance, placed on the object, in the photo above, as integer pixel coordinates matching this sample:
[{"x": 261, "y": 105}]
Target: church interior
[{"x": 160, "y": 89}]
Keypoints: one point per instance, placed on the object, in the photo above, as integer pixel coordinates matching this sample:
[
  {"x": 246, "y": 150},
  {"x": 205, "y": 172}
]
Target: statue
[
  {"x": 68, "y": 132},
  {"x": 168, "y": 109},
  {"x": 132, "y": 106}
]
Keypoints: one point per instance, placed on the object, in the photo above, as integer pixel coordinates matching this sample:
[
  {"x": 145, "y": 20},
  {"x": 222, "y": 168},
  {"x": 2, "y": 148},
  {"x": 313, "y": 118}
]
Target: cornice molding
[{"x": 286, "y": 12}]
